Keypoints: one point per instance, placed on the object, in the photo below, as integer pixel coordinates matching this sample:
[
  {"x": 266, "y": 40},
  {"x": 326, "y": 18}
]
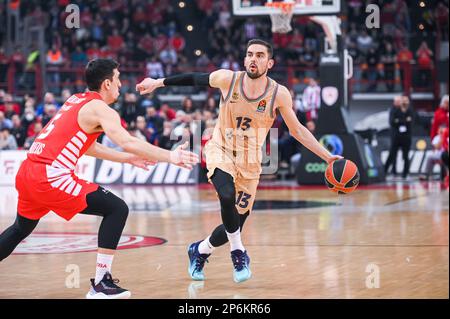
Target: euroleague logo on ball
[{"x": 333, "y": 144}]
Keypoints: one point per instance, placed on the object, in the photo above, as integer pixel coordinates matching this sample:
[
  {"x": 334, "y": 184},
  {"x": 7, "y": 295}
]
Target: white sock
[
  {"x": 235, "y": 240},
  {"x": 205, "y": 247},
  {"x": 104, "y": 264}
]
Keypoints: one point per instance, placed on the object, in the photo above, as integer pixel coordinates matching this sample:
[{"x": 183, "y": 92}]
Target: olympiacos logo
[
  {"x": 61, "y": 243},
  {"x": 330, "y": 95}
]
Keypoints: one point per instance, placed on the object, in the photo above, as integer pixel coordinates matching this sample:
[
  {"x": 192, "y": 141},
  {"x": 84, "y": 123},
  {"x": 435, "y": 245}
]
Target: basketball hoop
[{"x": 281, "y": 18}]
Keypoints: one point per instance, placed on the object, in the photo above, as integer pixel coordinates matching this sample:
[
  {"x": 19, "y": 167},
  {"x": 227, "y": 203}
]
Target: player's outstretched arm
[
  {"x": 220, "y": 79},
  {"x": 106, "y": 153},
  {"x": 109, "y": 120},
  {"x": 297, "y": 130}
]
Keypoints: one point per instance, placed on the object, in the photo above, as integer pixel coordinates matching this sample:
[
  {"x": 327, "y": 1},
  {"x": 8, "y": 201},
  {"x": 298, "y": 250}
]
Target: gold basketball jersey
[{"x": 243, "y": 125}]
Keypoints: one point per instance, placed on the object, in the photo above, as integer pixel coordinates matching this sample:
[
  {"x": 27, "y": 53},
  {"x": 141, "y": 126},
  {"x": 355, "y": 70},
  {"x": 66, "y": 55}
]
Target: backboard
[{"x": 302, "y": 7}]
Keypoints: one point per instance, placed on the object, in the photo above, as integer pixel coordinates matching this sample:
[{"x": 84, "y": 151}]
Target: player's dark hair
[
  {"x": 99, "y": 70},
  {"x": 264, "y": 43}
]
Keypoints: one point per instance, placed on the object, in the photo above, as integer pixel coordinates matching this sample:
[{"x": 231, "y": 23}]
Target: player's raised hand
[
  {"x": 148, "y": 85},
  {"x": 183, "y": 158}
]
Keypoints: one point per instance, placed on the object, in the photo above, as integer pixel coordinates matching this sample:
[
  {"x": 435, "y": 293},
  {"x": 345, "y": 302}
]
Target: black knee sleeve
[
  {"x": 115, "y": 213},
  {"x": 224, "y": 184}
]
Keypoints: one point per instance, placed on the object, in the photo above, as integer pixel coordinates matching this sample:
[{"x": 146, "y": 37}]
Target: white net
[
  {"x": 281, "y": 22},
  {"x": 281, "y": 19}
]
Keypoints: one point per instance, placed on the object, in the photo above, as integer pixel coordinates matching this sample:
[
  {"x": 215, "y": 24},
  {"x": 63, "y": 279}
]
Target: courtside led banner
[{"x": 106, "y": 172}]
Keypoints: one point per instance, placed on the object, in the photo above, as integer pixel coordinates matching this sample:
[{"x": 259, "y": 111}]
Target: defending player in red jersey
[{"x": 46, "y": 180}]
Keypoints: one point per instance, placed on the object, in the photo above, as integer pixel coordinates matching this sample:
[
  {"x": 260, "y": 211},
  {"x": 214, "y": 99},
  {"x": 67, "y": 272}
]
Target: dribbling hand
[{"x": 333, "y": 158}]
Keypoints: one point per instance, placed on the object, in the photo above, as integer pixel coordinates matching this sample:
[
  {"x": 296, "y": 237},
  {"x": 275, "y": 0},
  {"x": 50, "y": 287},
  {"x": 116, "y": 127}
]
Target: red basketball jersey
[
  {"x": 46, "y": 179},
  {"x": 62, "y": 142}
]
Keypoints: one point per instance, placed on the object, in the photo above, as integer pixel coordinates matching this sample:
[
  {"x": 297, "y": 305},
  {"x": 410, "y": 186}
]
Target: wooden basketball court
[{"x": 387, "y": 241}]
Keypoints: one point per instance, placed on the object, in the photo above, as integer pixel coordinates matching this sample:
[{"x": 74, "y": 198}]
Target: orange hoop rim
[{"x": 285, "y": 7}]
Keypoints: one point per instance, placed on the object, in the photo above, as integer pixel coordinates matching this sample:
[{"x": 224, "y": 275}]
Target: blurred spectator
[
  {"x": 49, "y": 111},
  {"x": 440, "y": 116},
  {"x": 230, "y": 63},
  {"x": 142, "y": 131},
  {"x": 129, "y": 108},
  {"x": 364, "y": 42},
  {"x": 115, "y": 41},
  {"x": 7, "y": 141},
  {"x": 211, "y": 105},
  {"x": 188, "y": 105},
  {"x": 27, "y": 80},
  {"x": 441, "y": 16},
  {"x": 169, "y": 58},
  {"x": 155, "y": 69},
  {"x": 78, "y": 57},
  {"x": 54, "y": 61},
  {"x": 311, "y": 100},
  {"x": 425, "y": 63},
  {"x": 94, "y": 51},
  {"x": 28, "y": 116},
  {"x": 9, "y": 107},
  {"x": 18, "y": 131},
  {"x": 30, "y": 140},
  {"x": 49, "y": 98},
  {"x": 164, "y": 140},
  {"x": 155, "y": 121},
  {"x": 177, "y": 42},
  {"x": 168, "y": 112},
  {"x": 5, "y": 122}
]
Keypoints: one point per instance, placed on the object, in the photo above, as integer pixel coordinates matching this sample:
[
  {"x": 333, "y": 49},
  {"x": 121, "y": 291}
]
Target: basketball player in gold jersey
[{"x": 248, "y": 106}]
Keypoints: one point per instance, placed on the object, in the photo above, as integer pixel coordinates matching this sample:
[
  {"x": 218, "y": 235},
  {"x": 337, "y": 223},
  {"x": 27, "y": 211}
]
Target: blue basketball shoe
[
  {"x": 196, "y": 262},
  {"x": 241, "y": 263}
]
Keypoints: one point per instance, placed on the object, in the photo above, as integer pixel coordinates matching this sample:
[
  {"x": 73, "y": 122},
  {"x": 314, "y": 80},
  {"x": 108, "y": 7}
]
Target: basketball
[{"x": 342, "y": 176}]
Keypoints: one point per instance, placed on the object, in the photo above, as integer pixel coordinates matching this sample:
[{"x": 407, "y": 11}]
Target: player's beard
[{"x": 254, "y": 75}]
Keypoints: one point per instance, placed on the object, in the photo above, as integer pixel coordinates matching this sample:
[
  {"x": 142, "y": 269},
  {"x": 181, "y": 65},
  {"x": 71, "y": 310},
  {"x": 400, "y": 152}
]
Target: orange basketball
[{"x": 342, "y": 176}]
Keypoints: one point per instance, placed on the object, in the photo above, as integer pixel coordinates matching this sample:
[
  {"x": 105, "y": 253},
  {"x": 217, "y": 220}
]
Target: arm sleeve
[{"x": 188, "y": 79}]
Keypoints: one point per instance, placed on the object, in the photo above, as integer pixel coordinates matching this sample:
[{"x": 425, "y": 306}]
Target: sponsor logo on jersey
[
  {"x": 235, "y": 96},
  {"x": 261, "y": 106}
]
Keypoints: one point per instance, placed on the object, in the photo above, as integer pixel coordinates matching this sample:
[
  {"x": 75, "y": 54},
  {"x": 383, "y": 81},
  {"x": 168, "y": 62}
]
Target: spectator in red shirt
[
  {"x": 168, "y": 111},
  {"x": 440, "y": 116},
  {"x": 139, "y": 15},
  {"x": 115, "y": 41},
  {"x": 178, "y": 42},
  {"x": 425, "y": 63},
  {"x": 94, "y": 51}
]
